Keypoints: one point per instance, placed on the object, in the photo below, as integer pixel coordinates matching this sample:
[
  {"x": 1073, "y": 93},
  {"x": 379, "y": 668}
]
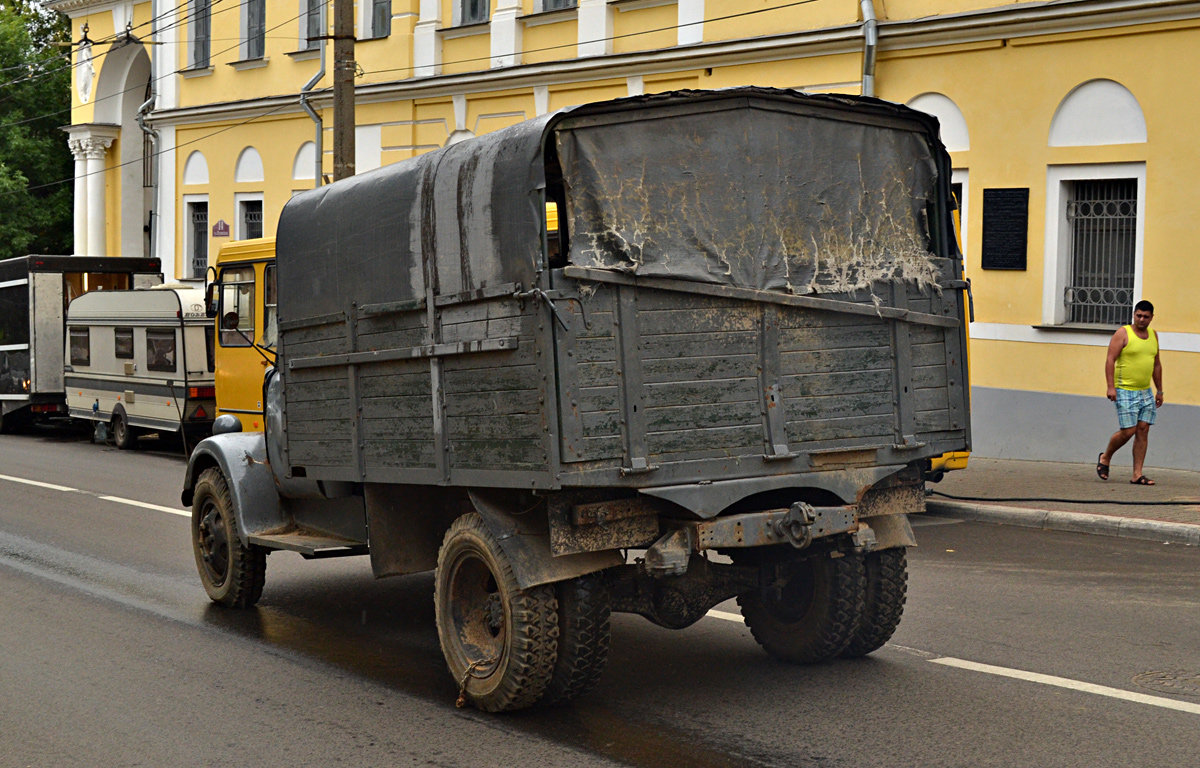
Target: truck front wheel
[
  {"x": 811, "y": 611},
  {"x": 233, "y": 575},
  {"x": 500, "y": 641},
  {"x": 887, "y": 585}
]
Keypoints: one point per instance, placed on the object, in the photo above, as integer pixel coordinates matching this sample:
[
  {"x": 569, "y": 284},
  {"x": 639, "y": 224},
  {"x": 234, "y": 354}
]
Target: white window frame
[
  {"x": 192, "y": 15},
  {"x": 1057, "y": 256},
  {"x": 189, "y": 240},
  {"x": 366, "y": 21},
  {"x": 303, "y": 31},
  {"x": 244, "y": 44},
  {"x": 962, "y": 176},
  {"x": 239, "y": 215},
  {"x": 456, "y": 14}
]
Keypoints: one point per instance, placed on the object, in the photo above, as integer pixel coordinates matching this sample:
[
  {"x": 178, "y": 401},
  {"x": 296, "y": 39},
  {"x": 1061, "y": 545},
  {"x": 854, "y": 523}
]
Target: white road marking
[
  {"x": 1075, "y": 685},
  {"x": 1031, "y": 677},
  {"x": 101, "y": 496},
  {"x": 144, "y": 505}
]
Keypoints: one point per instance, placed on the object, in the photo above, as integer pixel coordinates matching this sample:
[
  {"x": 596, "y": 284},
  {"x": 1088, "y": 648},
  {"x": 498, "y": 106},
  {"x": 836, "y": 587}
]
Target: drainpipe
[
  {"x": 142, "y": 111},
  {"x": 320, "y": 148},
  {"x": 870, "y": 30}
]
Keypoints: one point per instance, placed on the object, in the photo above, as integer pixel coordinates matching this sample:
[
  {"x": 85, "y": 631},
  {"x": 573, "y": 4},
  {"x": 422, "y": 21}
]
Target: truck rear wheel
[
  {"x": 584, "y": 638},
  {"x": 812, "y": 612},
  {"x": 887, "y": 585},
  {"x": 233, "y": 575},
  {"x": 500, "y": 641}
]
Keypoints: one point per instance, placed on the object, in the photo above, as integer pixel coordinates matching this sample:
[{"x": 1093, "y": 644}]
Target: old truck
[
  {"x": 721, "y": 377},
  {"x": 34, "y": 294}
]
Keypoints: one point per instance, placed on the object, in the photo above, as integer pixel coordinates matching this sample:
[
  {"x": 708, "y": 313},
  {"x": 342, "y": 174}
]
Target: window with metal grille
[
  {"x": 381, "y": 18},
  {"x": 252, "y": 219},
  {"x": 558, "y": 5},
  {"x": 475, "y": 11},
  {"x": 201, "y": 15},
  {"x": 199, "y": 239},
  {"x": 256, "y": 29},
  {"x": 1102, "y": 222},
  {"x": 314, "y": 24}
]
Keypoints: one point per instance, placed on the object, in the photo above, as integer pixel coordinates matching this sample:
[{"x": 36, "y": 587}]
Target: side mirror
[{"x": 210, "y": 299}]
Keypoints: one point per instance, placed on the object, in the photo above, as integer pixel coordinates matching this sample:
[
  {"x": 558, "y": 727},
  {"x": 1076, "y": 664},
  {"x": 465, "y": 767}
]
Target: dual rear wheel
[
  {"x": 507, "y": 647},
  {"x": 829, "y": 605}
]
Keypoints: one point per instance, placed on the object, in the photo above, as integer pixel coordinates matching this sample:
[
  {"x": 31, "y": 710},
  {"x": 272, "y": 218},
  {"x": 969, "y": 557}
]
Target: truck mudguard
[{"x": 242, "y": 458}]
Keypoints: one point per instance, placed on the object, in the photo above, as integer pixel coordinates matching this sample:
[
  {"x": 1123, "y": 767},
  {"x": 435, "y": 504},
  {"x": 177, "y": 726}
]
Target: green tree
[{"x": 35, "y": 82}]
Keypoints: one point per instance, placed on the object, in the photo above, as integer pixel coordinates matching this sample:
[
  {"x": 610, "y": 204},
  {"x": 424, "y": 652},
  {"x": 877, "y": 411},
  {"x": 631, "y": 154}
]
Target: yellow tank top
[{"x": 1135, "y": 364}]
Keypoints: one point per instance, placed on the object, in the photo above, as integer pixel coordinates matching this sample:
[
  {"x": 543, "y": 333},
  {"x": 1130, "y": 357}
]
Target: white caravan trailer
[{"x": 141, "y": 361}]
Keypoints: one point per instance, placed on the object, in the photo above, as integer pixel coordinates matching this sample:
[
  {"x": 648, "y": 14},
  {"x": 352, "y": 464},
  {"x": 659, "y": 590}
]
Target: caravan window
[
  {"x": 123, "y": 343},
  {"x": 237, "y": 307},
  {"x": 209, "y": 352},
  {"x": 81, "y": 346},
  {"x": 160, "y": 349}
]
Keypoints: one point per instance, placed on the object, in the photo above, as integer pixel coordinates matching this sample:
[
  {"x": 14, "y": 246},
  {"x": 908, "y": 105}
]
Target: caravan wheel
[{"x": 123, "y": 435}]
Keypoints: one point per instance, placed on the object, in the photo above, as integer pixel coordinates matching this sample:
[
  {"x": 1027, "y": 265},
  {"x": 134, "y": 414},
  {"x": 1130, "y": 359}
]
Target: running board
[{"x": 311, "y": 544}]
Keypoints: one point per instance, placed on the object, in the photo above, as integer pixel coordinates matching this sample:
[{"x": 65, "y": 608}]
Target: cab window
[
  {"x": 270, "y": 321},
  {"x": 236, "y": 315}
]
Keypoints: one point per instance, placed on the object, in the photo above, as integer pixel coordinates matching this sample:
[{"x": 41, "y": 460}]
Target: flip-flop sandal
[
  {"x": 1143, "y": 480},
  {"x": 1101, "y": 469}
]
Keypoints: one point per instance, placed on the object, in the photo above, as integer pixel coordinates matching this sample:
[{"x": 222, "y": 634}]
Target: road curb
[{"x": 1077, "y": 522}]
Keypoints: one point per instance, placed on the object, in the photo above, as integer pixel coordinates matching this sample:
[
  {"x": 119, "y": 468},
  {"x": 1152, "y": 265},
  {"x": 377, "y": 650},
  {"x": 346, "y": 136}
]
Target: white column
[
  {"x": 595, "y": 28},
  {"x": 506, "y": 34},
  {"x": 95, "y": 148},
  {"x": 691, "y": 12},
  {"x": 427, "y": 40},
  {"x": 81, "y": 232}
]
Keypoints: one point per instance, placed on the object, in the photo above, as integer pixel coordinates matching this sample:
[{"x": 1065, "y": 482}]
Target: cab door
[{"x": 245, "y": 339}]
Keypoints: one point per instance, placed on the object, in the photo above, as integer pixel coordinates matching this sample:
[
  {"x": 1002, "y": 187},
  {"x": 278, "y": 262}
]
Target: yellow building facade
[{"x": 1069, "y": 124}]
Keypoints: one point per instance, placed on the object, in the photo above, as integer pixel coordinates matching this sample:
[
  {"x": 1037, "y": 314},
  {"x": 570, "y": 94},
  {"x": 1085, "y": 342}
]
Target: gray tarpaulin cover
[{"x": 756, "y": 197}]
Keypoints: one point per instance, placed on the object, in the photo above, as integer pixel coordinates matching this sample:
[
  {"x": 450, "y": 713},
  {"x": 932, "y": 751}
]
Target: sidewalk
[{"x": 1124, "y": 510}]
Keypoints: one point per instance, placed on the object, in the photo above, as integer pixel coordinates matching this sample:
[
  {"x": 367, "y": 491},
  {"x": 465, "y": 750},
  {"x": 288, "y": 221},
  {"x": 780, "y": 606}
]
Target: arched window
[
  {"x": 954, "y": 126},
  {"x": 1095, "y": 113},
  {"x": 304, "y": 166},
  {"x": 195, "y": 170},
  {"x": 249, "y": 167}
]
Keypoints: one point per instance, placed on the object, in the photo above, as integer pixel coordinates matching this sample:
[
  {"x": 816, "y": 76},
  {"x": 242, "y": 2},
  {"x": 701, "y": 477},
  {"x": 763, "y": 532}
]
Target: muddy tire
[
  {"x": 233, "y": 574},
  {"x": 812, "y": 613},
  {"x": 124, "y": 436},
  {"x": 887, "y": 585},
  {"x": 500, "y": 641},
  {"x": 584, "y": 638}
]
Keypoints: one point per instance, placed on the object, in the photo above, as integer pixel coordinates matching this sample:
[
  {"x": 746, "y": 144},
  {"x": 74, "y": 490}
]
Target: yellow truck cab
[
  {"x": 948, "y": 462},
  {"x": 246, "y": 327}
]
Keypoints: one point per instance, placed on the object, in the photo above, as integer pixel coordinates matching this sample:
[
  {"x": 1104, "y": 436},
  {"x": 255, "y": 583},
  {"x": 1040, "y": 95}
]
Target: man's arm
[
  {"x": 1158, "y": 397},
  {"x": 1115, "y": 345}
]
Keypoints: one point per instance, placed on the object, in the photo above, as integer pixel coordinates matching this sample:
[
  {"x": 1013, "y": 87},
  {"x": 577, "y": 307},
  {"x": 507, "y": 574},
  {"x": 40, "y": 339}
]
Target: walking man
[{"x": 1132, "y": 362}]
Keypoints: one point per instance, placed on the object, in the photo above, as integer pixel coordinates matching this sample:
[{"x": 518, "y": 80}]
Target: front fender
[{"x": 242, "y": 459}]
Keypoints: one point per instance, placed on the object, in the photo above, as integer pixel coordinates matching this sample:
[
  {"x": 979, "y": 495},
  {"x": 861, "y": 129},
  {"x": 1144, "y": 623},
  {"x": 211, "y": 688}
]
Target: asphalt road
[{"x": 111, "y": 655}]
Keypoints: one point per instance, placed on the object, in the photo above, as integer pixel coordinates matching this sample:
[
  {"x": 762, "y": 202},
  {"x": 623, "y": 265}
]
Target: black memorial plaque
[{"x": 1005, "y": 228}]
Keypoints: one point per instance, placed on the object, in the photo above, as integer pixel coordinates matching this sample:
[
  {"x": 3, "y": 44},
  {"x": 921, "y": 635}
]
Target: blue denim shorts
[{"x": 1134, "y": 405}]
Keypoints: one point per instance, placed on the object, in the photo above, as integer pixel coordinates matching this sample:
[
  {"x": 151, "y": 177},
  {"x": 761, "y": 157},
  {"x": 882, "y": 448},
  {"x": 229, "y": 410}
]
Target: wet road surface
[{"x": 112, "y": 654}]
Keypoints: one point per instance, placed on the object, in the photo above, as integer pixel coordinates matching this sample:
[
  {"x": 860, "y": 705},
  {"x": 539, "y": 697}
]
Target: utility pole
[{"x": 344, "y": 68}]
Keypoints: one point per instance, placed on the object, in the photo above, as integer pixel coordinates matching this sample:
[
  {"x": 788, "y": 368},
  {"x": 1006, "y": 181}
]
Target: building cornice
[
  {"x": 76, "y": 8},
  {"x": 1034, "y": 19}
]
